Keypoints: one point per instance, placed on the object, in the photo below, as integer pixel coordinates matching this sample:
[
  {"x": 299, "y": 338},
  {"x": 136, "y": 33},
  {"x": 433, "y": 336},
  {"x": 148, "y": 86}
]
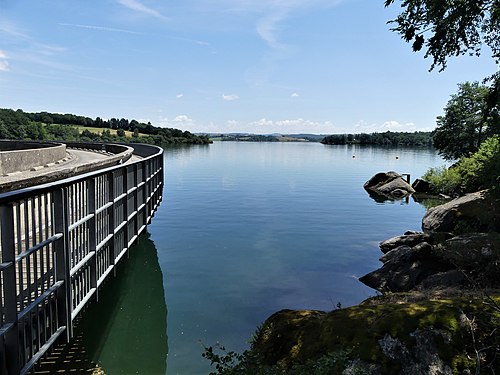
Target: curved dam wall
[{"x": 17, "y": 156}]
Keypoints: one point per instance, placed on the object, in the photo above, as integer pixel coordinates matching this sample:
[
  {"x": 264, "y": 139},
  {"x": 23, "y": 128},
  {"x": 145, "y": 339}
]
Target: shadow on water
[{"x": 125, "y": 332}]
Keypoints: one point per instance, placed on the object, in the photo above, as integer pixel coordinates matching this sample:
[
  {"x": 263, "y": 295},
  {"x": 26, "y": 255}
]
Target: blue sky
[{"x": 287, "y": 66}]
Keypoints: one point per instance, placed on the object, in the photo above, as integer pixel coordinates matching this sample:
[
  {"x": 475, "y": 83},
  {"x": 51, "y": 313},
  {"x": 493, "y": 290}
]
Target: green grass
[{"x": 100, "y": 130}]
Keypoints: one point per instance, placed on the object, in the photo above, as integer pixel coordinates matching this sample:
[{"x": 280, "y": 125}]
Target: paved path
[{"x": 75, "y": 159}]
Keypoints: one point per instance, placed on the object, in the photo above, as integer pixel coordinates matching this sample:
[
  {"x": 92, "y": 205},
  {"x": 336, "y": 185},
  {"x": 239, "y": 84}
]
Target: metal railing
[{"x": 59, "y": 242}]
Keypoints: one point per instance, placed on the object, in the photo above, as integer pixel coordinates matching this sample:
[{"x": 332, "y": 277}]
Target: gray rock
[
  {"x": 422, "y": 358},
  {"x": 406, "y": 268},
  {"x": 388, "y": 184},
  {"x": 422, "y": 186},
  {"x": 446, "y": 279},
  {"x": 408, "y": 239},
  {"x": 476, "y": 212},
  {"x": 477, "y": 256},
  {"x": 398, "y": 252},
  {"x": 357, "y": 366}
]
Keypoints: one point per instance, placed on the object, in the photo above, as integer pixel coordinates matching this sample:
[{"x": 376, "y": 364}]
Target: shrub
[
  {"x": 444, "y": 180},
  {"x": 482, "y": 169},
  {"x": 479, "y": 171}
]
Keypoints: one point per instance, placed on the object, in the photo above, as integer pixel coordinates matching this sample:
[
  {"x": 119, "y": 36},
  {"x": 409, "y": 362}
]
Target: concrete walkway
[{"x": 77, "y": 161}]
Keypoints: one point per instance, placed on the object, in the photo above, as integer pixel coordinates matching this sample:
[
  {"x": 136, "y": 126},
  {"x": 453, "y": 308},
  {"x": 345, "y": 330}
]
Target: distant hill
[
  {"x": 382, "y": 139},
  {"x": 54, "y": 126},
  {"x": 387, "y": 138},
  {"x": 246, "y": 137}
]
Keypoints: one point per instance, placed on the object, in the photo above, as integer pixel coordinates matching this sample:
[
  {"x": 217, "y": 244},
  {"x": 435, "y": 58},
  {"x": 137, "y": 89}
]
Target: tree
[
  {"x": 466, "y": 123},
  {"x": 449, "y": 28}
]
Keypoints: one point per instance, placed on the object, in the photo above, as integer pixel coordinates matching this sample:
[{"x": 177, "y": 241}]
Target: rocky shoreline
[{"x": 438, "y": 312}]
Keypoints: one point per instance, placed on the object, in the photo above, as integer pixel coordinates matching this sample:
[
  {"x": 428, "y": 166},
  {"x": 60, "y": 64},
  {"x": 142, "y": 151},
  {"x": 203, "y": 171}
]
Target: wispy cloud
[
  {"x": 276, "y": 12},
  {"x": 179, "y": 96},
  {"x": 230, "y": 97},
  {"x": 397, "y": 126},
  {"x": 25, "y": 48},
  {"x": 287, "y": 126},
  {"x": 141, "y": 8},
  {"x": 295, "y": 95},
  {"x": 15, "y": 36},
  {"x": 391, "y": 125},
  {"x": 4, "y": 64},
  {"x": 268, "y": 25},
  {"x": 101, "y": 28},
  {"x": 179, "y": 122}
]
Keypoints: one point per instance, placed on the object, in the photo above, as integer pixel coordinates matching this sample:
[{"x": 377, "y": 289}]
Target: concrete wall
[{"x": 22, "y": 156}]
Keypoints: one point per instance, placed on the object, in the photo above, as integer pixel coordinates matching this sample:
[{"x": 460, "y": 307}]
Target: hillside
[{"x": 53, "y": 126}]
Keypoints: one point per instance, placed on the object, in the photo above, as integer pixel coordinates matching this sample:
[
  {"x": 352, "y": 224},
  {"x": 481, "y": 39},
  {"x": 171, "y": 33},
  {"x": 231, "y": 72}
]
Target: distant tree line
[
  {"x": 381, "y": 139},
  {"x": 246, "y": 138},
  {"x": 53, "y": 126}
]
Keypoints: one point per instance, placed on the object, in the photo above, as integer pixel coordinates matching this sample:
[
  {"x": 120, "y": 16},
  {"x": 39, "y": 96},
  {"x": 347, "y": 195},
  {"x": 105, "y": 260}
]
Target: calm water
[{"x": 246, "y": 229}]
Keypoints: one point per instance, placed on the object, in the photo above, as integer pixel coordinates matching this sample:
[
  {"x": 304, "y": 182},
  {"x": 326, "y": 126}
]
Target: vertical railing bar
[
  {"x": 49, "y": 249},
  {"x": 20, "y": 279},
  {"x": 75, "y": 246},
  {"x": 27, "y": 246},
  {"x": 41, "y": 252},
  {"x": 63, "y": 294},
  {"x": 12, "y": 348},
  {"x": 111, "y": 217},
  {"x": 92, "y": 205},
  {"x": 37, "y": 343},
  {"x": 144, "y": 194},
  {"x": 35, "y": 255},
  {"x": 136, "y": 197},
  {"x": 125, "y": 208}
]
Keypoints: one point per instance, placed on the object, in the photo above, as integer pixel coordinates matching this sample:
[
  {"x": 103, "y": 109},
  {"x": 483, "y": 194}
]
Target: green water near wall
[{"x": 125, "y": 331}]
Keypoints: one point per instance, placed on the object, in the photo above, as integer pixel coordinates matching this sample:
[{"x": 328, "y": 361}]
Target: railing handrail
[
  {"x": 59, "y": 242},
  {"x": 28, "y": 191}
]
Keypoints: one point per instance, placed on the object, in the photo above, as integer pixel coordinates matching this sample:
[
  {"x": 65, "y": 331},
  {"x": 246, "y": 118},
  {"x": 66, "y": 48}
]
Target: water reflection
[{"x": 125, "y": 332}]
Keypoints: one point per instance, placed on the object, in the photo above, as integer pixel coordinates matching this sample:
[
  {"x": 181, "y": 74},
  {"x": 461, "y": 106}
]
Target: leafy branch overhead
[{"x": 449, "y": 27}]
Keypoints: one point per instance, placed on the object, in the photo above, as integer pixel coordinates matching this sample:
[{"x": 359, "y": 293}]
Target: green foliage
[
  {"x": 232, "y": 363},
  {"x": 479, "y": 171},
  {"x": 449, "y": 28},
  {"x": 381, "y": 139},
  {"x": 226, "y": 362},
  {"x": 444, "y": 180},
  {"x": 246, "y": 138},
  {"x": 54, "y": 126},
  {"x": 468, "y": 120},
  {"x": 482, "y": 169}
]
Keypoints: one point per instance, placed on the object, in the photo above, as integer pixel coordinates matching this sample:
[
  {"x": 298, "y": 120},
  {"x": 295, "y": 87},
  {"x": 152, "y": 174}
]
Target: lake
[{"x": 245, "y": 230}]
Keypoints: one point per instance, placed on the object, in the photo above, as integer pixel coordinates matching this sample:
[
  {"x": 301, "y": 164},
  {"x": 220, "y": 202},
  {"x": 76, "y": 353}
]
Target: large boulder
[
  {"x": 422, "y": 186},
  {"x": 388, "y": 185},
  {"x": 410, "y": 238},
  {"x": 411, "y": 263},
  {"x": 475, "y": 212},
  {"x": 405, "y": 268},
  {"x": 395, "y": 334},
  {"x": 476, "y": 255}
]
